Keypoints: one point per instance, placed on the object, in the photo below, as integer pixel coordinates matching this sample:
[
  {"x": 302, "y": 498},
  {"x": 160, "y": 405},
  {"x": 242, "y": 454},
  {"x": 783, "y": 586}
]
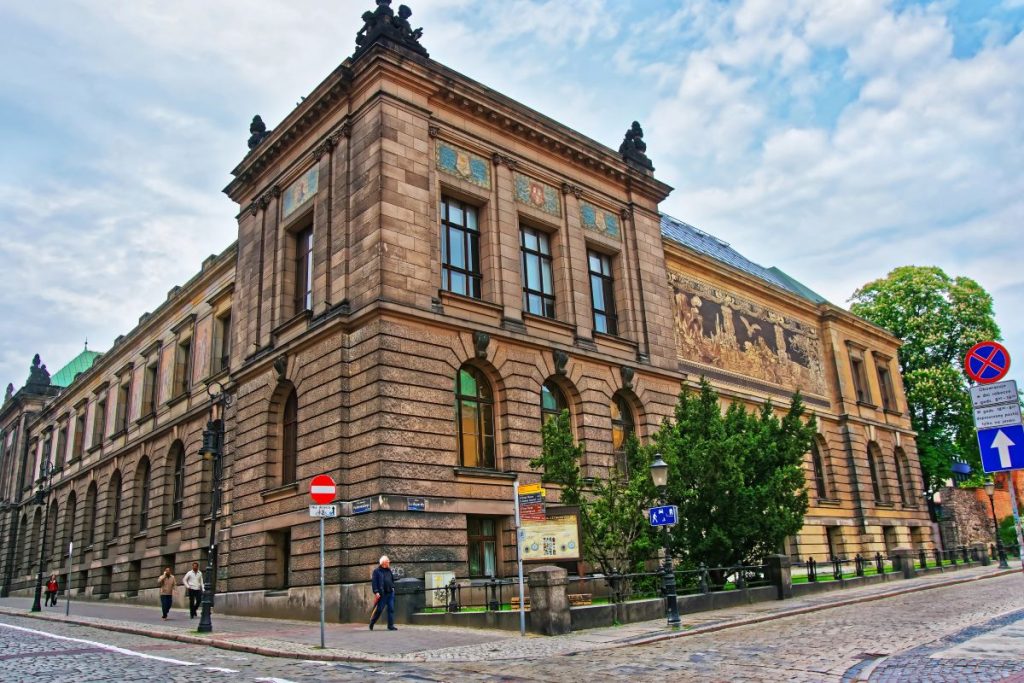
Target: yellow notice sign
[{"x": 527, "y": 489}]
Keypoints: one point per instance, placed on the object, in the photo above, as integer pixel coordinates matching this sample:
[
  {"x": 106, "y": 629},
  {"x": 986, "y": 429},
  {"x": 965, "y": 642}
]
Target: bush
[{"x": 1007, "y": 534}]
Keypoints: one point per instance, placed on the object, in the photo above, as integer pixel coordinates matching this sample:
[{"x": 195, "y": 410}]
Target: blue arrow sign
[
  {"x": 1002, "y": 448},
  {"x": 664, "y": 515}
]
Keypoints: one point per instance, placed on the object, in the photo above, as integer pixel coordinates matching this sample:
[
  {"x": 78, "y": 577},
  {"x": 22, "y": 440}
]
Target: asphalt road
[{"x": 966, "y": 633}]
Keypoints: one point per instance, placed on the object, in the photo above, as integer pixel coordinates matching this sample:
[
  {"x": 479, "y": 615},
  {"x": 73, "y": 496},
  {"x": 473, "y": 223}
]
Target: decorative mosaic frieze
[
  {"x": 300, "y": 192},
  {"x": 599, "y": 220},
  {"x": 537, "y": 194},
  {"x": 463, "y": 165}
]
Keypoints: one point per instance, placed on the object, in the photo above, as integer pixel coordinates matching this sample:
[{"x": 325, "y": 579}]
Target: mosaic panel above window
[
  {"x": 599, "y": 220},
  {"x": 300, "y": 192},
  {"x": 463, "y": 165},
  {"x": 537, "y": 194}
]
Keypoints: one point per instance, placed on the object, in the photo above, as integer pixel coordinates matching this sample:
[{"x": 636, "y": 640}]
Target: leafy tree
[
  {"x": 616, "y": 537},
  {"x": 1008, "y": 533},
  {"x": 938, "y": 318},
  {"x": 737, "y": 478}
]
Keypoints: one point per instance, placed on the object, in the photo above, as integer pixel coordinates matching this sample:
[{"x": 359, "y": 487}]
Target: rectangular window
[
  {"x": 304, "y": 270},
  {"x": 885, "y": 384},
  {"x": 602, "y": 292},
  {"x": 124, "y": 393},
  {"x": 47, "y": 451},
  {"x": 482, "y": 537},
  {"x": 460, "y": 248},
  {"x": 221, "y": 342},
  {"x": 860, "y": 379},
  {"x": 538, "y": 283},
  {"x": 99, "y": 423},
  {"x": 62, "y": 446},
  {"x": 183, "y": 367},
  {"x": 79, "y": 440},
  {"x": 149, "y": 385}
]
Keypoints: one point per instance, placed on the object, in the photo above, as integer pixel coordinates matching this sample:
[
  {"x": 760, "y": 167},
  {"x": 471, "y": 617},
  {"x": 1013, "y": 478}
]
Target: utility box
[{"x": 434, "y": 585}]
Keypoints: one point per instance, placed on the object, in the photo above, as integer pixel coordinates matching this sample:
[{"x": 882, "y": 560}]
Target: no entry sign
[
  {"x": 987, "y": 362},
  {"x": 322, "y": 489}
]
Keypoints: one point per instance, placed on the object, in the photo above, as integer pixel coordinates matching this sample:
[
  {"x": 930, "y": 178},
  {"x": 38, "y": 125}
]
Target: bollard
[
  {"x": 705, "y": 586},
  {"x": 812, "y": 571}
]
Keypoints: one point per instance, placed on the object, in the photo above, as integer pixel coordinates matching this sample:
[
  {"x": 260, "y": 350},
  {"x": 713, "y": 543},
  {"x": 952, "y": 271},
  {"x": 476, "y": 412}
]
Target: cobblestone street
[{"x": 964, "y": 633}]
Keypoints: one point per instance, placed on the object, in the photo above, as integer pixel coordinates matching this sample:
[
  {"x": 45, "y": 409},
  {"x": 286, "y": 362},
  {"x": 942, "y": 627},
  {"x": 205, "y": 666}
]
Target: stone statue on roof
[
  {"x": 10, "y": 393},
  {"x": 633, "y": 147},
  {"x": 38, "y": 377},
  {"x": 382, "y": 23},
  {"x": 259, "y": 132}
]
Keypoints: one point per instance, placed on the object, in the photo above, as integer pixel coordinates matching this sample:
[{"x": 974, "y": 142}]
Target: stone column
[
  {"x": 549, "y": 601},
  {"x": 903, "y": 559},
  {"x": 780, "y": 573}
]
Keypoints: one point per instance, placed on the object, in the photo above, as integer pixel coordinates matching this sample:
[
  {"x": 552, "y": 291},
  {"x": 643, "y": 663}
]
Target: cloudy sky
[{"x": 835, "y": 139}]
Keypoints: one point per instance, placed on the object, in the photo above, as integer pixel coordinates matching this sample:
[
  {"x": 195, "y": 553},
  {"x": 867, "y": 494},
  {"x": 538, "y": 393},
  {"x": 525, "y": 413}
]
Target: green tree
[
  {"x": 737, "y": 477},
  {"x": 938, "y": 318},
  {"x": 616, "y": 538}
]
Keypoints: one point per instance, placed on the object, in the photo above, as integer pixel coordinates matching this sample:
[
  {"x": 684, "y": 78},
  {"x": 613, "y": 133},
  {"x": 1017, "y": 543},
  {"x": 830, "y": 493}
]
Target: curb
[{"x": 365, "y": 657}]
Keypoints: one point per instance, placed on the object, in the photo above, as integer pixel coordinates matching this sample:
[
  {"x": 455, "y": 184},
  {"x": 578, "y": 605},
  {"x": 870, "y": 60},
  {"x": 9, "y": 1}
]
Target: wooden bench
[
  {"x": 515, "y": 603},
  {"x": 580, "y": 599}
]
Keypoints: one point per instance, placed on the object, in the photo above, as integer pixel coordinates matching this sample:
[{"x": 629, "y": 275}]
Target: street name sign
[
  {"x": 987, "y": 362},
  {"x": 1002, "y": 448},
  {"x": 322, "y": 489},
  {"x": 664, "y": 515},
  {"x": 323, "y": 511}
]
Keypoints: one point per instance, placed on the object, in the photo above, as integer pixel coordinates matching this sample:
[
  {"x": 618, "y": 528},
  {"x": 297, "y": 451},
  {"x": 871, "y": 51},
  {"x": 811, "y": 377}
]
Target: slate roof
[
  {"x": 701, "y": 242},
  {"x": 80, "y": 363}
]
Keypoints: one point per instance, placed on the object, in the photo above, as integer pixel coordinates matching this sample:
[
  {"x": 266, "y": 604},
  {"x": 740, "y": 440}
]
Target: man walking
[
  {"x": 384, "y": 592},
  {"x": 194, "y": 585},
  {"x": 166, "y": 583}
]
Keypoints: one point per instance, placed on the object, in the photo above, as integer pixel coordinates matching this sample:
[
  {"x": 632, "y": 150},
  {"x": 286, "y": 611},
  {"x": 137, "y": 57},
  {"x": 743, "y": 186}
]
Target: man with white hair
[{"x": 384, "y": 593}]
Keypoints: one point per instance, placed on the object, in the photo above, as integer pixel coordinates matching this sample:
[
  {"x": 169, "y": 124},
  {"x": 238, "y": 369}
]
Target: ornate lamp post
[
  {"x": 990, "y": 489},
  {"x": 42, "y": 493},
  {"x": 659, "y": 475},
  {"x": 213, "y": 448}
]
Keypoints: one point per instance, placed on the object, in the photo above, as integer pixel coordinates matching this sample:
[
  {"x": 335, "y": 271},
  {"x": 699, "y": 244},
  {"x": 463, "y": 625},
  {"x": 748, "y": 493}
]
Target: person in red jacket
[{"x": 51, "y": 591}]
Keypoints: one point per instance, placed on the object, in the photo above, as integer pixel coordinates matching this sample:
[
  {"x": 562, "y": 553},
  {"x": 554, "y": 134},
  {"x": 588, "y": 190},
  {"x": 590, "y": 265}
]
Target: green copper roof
[
  {"x": 80, "y": 363},
  {"x": 798, "y": 287}
]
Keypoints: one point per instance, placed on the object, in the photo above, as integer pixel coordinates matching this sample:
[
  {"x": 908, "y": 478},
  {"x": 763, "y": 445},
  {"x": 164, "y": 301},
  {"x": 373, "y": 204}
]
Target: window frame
[
  {"x": 561, "y": 401},
  {"x": 142, "y": 516},
  {"x": 545, "y": 296},
  {"x": 178, "y": 488},
  {"x": 476, "y": 544},
  {"x": 818, "y": 467},
  {"x": 99, "y": 421},
  {"x": 606, "y": 282},
  {"x": 471, "y": 270},
  {"x": 484, "y": 401},
  {"x": 877, "y": 484},
  {"x": 290, "y": 438},
  {"x": 620, "y": 405},
  {"x": 302, "y": 295}
]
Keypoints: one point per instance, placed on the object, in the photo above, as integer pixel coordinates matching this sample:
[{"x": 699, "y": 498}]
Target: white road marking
[
  {"x": 220, "y": 669},
  {"x": 272, "y": 680},
  {"x": 102, "y": 646}
]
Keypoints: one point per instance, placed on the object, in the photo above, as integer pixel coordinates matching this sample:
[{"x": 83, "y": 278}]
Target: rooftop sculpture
[
  {"x": 633, "y": 147},
  {"x": 382, "y": 23}
]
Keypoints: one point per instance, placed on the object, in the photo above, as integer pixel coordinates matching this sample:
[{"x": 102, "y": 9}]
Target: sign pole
[
  {"x": 321, "y": 583},
  {"x": 519, "y": 560},
  {"x": 67, "y": 584}
]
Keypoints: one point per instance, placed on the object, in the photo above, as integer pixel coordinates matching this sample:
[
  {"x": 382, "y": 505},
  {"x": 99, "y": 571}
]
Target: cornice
[{"x": 829, "y": 312}]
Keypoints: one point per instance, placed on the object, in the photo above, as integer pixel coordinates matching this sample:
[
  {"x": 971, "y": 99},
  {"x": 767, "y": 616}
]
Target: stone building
[{"x": 424, "y": 268}]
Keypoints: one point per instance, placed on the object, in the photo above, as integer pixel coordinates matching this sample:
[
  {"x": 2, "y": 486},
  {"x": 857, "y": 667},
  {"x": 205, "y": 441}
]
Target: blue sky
[{"x": 835, "y": 139}]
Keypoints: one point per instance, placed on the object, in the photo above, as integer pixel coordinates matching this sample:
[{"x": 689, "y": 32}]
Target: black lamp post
[
  {"x": 213, "y": 448},
  {"x": 42, "y": 493},
  {"x": 659, "y": 475},
  {"x": 990, "y": 489}
]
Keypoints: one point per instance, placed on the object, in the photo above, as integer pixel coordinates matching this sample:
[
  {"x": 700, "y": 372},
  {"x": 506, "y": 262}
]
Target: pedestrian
[
  {"x": 166, "y": 583},
  {"x": 51, "y": 591},
  {"x": 194, "y": 586},
  {"x": 384, "y": 593}
]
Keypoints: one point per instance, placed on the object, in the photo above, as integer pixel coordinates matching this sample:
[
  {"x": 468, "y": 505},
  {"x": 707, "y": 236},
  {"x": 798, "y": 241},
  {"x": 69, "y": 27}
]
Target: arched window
[
  {"x": 51, "y": 531},
  {"x": 552, "y": 401},
  {"x": 37, "y": 537},
  {"x": 623, "y": 425},
  {"x": 903, "y": 478},
  {"x": 474, "y": 408},
  {"x": 114, "y": 506},
  {"x": 142, "y": 494},
  {"x": 177, "y": 457},
  {"x": 290, "y": 439},
  {"x": 818, "y": 462},
  {"x": 23, "y": 552},
  {"x": 70, "y": 510},
  {"x": 89, "y": 523},
  {"x": 876, "y": 479}
]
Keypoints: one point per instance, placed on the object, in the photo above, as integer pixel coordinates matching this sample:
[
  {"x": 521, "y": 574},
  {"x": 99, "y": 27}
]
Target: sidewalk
[{"x": 354, "y": 642}]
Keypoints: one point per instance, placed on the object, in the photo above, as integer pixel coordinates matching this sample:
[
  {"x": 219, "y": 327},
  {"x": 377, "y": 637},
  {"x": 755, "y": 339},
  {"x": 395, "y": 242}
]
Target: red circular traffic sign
[
  {"x": 987, "y": 362},
  {"x": 322, "y": 489}
]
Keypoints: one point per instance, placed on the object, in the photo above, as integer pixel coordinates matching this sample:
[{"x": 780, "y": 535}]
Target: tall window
[
  {"x": 819, "y": 471},
  {"x": 622, "y": 427},
  {"x": 876, "y": 480},
  {"x": 124, "y": 393},
  {"x": 482, "y": 546},
  {"x": 62, "y": 446},
  {"x": 290, "y": 439},
  {"x": 602, "y": 292},
  {"x": 885, "y": 384},
  {"x": 183, "y": 367},
  {"x": 99, "y": 424},
  {"x": 142, "y": 489},
  {"x": 178, "y": 499},
  {"x": 304, "y": 270},
  {"x": 538, "y": 283},
  {"x": 474, "y": 407},
  {"x": 149, "y": 387},
  {"x": 70, "y": 509},
  {"x": 114, "y": 505},
  {"x": 552, "y": 401},
  {"x": 89, "y": 523},
  {"x": 79, "y": 438},
  {"x": 221, "y": 342},
  {"x": 903, "y": 477},
  {"x": 860, "y": 378},
  {"x": 460, "y": 248}
]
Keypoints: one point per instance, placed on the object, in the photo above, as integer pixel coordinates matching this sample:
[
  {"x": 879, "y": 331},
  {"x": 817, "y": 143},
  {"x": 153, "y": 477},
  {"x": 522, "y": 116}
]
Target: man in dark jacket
[{"x": 384, "y": 593}]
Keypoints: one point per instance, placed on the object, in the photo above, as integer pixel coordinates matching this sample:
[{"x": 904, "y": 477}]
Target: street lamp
[
  {"x": 990, "y": 489},
  {"x": 42, "y": 493},
  {"x": 213, "y": 448},
  {"x": 659, "y": 475}
]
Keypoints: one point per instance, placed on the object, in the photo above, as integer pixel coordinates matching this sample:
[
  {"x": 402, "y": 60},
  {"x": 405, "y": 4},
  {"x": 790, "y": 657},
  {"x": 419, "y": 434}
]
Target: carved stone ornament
[
  {"x": 561, "y": 358},
  {"x": 432, "y": 131},
  {"x": 481, "y": 340},
  {"x": 10, "y": 393},
  {"x": 499, "y": 159},
  {"x": 281, "y": 367},
  {"x": 382, "y": 24},
  {"x": 38, "y": 377},
  {"x": 627, "y": 376},
  {"x": 575, "y": 190},
  {"x": 634, "y": 149},
  {"x": 323, "y": 148},
  {"x": 258, "y": 131}
]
